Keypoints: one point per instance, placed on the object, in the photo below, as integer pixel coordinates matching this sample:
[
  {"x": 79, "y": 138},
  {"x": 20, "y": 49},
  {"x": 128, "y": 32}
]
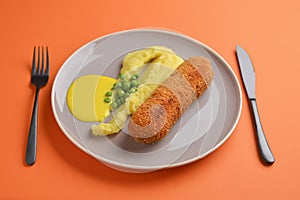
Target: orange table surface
[{"x": 268, "y": 30}]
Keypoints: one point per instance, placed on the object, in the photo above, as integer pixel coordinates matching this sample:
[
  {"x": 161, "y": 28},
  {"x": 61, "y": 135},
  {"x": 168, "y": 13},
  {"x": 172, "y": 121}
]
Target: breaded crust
[{"x": 157, "y": 115}]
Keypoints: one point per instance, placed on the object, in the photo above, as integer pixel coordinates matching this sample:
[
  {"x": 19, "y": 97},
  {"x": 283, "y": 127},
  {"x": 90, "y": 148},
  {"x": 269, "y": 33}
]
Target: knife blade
[{"x": 249, "y": 80}]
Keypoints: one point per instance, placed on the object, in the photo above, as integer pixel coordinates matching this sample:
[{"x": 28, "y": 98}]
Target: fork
[{"x": 39, "y": 78}]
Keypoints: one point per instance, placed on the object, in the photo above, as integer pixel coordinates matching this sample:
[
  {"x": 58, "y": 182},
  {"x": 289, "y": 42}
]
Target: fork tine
[
  {"x": 42, "y": 70},
  {"x": 38, "y": 61},
  {"x": 33, "y": 63},
  {"x": 47, "y": 61}
]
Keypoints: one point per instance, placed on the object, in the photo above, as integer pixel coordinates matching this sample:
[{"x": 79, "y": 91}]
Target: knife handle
[{"x": 264, "y": 149}]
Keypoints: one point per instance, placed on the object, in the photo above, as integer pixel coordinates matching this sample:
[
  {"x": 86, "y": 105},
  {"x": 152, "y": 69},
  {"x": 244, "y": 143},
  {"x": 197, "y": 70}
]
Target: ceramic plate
[{"x": 202, "y": 129}]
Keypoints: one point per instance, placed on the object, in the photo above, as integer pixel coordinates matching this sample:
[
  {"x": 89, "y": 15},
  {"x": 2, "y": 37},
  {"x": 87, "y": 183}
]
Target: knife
[{"x": 248, "y": 75}]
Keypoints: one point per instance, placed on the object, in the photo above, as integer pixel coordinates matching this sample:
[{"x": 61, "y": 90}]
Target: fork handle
[
  {"x": 32, "y": 136},
  {"x": 264, "y": 149}
]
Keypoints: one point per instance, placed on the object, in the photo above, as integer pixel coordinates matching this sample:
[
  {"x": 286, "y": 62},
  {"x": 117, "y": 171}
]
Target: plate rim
[{"x": 116, "y": 164}]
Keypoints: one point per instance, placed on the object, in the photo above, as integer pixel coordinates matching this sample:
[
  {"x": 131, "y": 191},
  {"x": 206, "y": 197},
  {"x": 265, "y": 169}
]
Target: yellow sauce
[
  {"x": 85, "y": 97},
  {"x": 161, "y": 63}
]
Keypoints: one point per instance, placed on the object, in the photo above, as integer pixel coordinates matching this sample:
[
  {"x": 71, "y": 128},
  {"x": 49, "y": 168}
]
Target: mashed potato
[{"x": 155, "y": 64}]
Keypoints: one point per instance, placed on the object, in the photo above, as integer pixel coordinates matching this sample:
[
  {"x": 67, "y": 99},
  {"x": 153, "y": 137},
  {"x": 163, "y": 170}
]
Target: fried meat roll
[{"x": 157, "y": 115}]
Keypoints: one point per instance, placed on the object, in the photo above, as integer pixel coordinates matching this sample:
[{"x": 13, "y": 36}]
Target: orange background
[{"x": 268, "y": 30}]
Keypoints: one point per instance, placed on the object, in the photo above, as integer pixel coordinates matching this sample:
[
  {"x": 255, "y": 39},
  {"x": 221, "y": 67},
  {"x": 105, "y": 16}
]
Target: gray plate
[{"x": 202, "y": 129}]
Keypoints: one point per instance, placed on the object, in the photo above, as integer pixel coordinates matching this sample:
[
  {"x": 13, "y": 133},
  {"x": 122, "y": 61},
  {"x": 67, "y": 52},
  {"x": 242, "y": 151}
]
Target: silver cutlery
[
  {"x": 248, "y": 75},
  {"x": 39, "y": 78}
]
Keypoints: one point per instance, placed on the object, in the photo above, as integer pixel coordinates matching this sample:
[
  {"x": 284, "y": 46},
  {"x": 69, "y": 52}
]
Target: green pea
[
  {"x": 134, "y": 77},
  {"x": 121, "y": 93},
  {"x": 134, "y": 83},
  {"x": 119, "y": 102},
  {"x": 122, "y": 100},
  {"x": 126, "y": 85},
  {"x": 132, "y": 90},
  {"x": 114, "y": 105},
  {"x": 122, "y": 76},
  {"x": 108, "y": 94},
  {"x": 107, "y": 100},
  {"x": 127, "y": 94},
  {"x": 118, "y": 85},
  {"x": 113, "y": 87}
]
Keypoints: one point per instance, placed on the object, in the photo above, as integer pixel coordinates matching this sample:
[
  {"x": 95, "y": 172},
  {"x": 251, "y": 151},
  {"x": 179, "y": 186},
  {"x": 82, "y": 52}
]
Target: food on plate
[
  {"x": 156, "y": 116},
  {"x": 87, "y": 98},
  {"x": 122, "y": 89},
  {"x": 154, "y": 64}
]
